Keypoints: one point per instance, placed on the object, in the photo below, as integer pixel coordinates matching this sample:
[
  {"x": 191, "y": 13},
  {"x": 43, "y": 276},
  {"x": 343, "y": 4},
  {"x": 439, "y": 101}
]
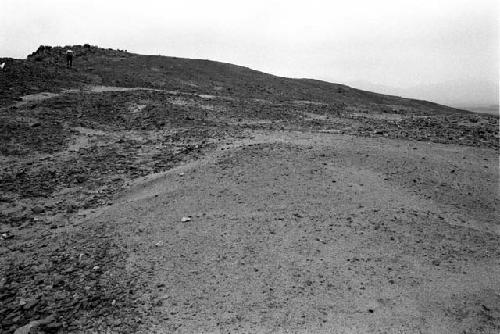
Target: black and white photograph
[{"x": 241, "y": 167}]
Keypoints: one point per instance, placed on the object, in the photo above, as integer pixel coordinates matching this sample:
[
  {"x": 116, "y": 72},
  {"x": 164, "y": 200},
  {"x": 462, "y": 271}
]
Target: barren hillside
[{"x": 159, "y": 194}]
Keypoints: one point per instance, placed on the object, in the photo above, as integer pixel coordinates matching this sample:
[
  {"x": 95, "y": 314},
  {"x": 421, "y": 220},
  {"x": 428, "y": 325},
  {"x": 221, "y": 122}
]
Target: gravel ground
[
  {"x": 76, "y": 258},
  {"x": 339, "y": 234}
]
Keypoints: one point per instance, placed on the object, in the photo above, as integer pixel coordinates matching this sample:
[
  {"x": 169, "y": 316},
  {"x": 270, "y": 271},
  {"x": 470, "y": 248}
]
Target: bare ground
[
  {"x": 318, "y": 233},
  {"x": 303, "y": 218}
]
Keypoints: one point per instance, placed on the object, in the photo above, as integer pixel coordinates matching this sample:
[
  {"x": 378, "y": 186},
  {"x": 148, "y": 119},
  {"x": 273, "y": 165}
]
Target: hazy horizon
[{"x": 445, "y": 52}]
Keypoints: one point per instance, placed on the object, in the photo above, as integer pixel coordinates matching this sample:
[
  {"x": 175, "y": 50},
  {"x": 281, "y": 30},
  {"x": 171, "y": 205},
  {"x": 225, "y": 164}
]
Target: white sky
[{"x": 400, "y": 44}]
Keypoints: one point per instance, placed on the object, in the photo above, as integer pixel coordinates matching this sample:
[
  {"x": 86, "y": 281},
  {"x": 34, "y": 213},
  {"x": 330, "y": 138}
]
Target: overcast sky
[{"x": 407, "y": 46}]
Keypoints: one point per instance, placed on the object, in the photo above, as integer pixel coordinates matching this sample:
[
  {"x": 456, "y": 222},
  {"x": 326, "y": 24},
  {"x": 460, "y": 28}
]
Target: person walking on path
[{"x": 69, "y": 58}]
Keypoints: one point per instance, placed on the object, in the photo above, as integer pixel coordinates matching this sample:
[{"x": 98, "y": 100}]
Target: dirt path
[
  {"x": 38, "y": 97},
  {"x": 296, "y": 232},
  {"x": 89, "y": 89}
]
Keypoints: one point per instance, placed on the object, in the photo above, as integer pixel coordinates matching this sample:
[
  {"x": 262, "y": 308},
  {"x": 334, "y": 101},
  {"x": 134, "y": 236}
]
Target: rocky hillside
[
  {"x": 44, "y": 70},
  {"x": 73, "y": 140}
]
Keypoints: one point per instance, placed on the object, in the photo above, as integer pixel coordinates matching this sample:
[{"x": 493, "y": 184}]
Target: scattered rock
[
  {"x": 38, "y": 210},
  {"x": 71, "y": 208},
  {"x": 33, "y": 326},
  {"x": 80, "y": 178},
  {"x": 6, "y": 236}
]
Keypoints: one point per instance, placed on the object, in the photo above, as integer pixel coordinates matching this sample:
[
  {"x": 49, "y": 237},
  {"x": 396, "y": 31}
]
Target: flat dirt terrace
[{"x": 318, "y": 233}]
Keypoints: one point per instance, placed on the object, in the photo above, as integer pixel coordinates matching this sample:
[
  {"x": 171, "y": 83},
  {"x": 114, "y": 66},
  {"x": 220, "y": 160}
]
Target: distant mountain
[
  {"x": 44, "y": 70},
  {"x": 491, "y": 109},
  {"x": 471, "y": 94}
]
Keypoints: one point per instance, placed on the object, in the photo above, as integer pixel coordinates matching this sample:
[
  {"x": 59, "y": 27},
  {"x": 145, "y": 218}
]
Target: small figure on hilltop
[{"x": 69, "y": 58}]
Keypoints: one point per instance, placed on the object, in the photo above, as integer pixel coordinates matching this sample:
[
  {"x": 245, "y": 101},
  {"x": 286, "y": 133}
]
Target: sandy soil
[{"x": 296, "y": 232}]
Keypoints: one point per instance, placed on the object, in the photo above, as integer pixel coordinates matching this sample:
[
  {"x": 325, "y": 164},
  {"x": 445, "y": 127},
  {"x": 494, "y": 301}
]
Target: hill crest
[{"x": 44, "y": 70}]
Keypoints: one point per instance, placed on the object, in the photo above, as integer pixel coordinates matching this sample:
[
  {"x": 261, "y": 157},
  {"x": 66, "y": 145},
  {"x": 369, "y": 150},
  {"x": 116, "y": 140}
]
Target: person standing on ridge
[{"x": 69, "y": 58}]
